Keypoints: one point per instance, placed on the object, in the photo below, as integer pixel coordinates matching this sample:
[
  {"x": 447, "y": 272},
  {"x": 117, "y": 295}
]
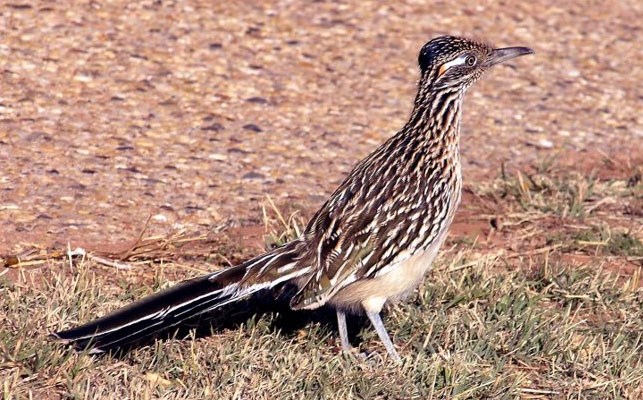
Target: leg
[
  {"x": 376, "y": 320},
  {"x": 343, "y": 332}
]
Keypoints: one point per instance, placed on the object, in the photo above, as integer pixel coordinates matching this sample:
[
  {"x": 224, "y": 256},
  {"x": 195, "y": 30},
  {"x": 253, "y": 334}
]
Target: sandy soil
[{"x": 193, "y": 112}]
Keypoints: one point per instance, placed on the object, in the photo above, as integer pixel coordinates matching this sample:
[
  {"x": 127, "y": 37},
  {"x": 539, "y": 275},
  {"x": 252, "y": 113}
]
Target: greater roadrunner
[{"x": 370, "y": 244}]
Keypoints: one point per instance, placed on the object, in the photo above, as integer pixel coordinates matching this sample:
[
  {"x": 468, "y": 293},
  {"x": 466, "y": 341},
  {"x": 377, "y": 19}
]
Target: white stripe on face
[{"x": 457, "y": 61}]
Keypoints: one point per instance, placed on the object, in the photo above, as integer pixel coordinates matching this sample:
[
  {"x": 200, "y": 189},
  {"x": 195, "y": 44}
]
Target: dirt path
[{"x": 192, "y": 113}]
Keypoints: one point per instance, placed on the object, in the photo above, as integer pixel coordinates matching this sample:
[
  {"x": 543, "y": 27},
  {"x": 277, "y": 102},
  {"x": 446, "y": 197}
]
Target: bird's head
[{"x": 455, "y": 62}]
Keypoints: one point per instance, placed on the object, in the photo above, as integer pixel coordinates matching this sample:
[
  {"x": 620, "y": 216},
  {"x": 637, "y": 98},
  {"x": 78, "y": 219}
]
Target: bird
[{"x": 368, "y": 246}]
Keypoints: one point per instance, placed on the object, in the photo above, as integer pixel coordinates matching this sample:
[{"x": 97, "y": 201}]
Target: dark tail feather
[{"x": 181, "y": 302}]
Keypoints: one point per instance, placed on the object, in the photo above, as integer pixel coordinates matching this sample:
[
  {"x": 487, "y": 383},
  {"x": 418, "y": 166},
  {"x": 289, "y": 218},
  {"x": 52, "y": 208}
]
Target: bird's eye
[{"x": 471, "y": 60}]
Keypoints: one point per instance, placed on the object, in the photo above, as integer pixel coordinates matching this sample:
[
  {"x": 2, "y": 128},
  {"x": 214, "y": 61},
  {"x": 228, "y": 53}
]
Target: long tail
[{"x": 185, "y": 300}]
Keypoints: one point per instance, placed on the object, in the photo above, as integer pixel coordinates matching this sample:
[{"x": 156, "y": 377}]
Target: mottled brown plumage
[{"x": 374, "y": 239}]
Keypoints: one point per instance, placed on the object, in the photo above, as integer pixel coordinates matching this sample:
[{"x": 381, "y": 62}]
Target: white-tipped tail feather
[{"x": 182, "y": 302}]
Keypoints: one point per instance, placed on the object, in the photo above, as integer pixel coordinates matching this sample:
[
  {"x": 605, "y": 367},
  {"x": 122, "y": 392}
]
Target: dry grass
[{"x": 519, "y": 323}]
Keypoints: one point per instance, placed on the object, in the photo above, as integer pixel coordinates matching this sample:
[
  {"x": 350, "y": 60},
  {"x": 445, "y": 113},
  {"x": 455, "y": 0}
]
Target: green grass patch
[{"x": 474, "y": 333}]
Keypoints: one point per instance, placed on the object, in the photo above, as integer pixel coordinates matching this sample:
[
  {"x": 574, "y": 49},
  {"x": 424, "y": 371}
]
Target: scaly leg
[
  {"x": 376, "y": 320},
  {"x": 343, "y": 332}
]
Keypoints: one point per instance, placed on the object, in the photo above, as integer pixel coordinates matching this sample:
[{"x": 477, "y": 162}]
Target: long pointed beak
[{"x": 501, "y": 55}]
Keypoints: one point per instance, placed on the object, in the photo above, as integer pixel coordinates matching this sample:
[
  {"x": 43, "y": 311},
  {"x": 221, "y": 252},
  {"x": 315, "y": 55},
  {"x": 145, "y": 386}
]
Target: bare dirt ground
[{"x": 193, "y": 112}]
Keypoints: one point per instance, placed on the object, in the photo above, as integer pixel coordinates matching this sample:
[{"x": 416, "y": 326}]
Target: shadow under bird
[{"x": 373, "y": 240}]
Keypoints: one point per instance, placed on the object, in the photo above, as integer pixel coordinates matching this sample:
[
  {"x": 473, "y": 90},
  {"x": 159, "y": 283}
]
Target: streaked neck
[{"x": 436, "y": 117}]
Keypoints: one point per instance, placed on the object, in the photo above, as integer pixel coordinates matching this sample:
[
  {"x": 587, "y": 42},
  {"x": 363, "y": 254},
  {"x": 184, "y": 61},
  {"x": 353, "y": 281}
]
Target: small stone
[
  {"x": 218, "y": 157},
  {"x": 216, "y": 127},
  {"x": 257, "y": 100},
  {"x": 83, "y": 78},
  {"x": 542, "y": 144},
  {"x": 159, "y": 218},
  {"x": 253, "y": 175},
  {"x": 252, "y": 127}
]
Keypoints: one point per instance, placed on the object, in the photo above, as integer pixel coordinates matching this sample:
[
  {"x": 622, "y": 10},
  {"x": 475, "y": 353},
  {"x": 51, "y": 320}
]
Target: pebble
[
  {"x": 253, "y": 175},
  {"x": 159, "y": 218},
  {"x": 541, "y": 144},
  {"x": 218, "y": 157},
  {"x": 252, "y": 127}
]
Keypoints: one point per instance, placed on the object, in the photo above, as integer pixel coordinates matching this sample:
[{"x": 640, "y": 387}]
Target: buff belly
[{"x": 395, "y": 285}]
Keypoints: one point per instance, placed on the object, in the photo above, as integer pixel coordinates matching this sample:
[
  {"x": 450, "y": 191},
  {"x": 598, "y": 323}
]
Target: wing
[{"x": 365, "y": 226}]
